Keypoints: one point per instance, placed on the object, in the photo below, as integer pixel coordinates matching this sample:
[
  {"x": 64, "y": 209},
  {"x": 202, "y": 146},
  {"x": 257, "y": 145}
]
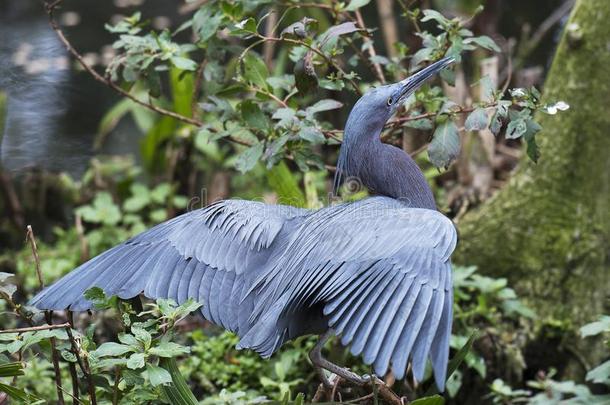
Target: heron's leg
[{"x": 321, "y": 363}]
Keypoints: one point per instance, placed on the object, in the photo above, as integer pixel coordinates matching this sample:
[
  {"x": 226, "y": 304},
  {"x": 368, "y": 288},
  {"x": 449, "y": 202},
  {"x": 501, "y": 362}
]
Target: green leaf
[
  {"x": 600, "y": 374},
  {"x": 157, "y": 375},
  {"x": 6, "y": 287},
  {"x": 183, "y": 63},
  {"x": 284, "y": 82},
  {"x": 516, "y": 128},
  {"x": 136, "y": 361},
  {"x": 312, "y": 134},
  {"x": 356, "y": 4},
  {"x": 436, "y": 16},
  {"x": 488, "y": 87},
  {"x": 338, "y": 30},
  {"x": 445, "y": 145},
  {"x": 112, "y": 349},
  {"x": 477, "y": 120},
  {"x": 433, "y": 400},
  {"x": 285, "y": 184},
  {"x": 206, "y": 22},
  {"x": 484, "y": 42},
  {"x": 255, "y": 71},
  {"x": 17, "y": 394},
  {"x": 168, "y": 349},
  {"x": 595, "y": 328},
  {"x": 248, "y": 158},
  {"x": 323, "y": 105},
  {"x": 286, "y": 116},
  {"x": 11, "y": 369},
  {"x": 253, "y": 115}
]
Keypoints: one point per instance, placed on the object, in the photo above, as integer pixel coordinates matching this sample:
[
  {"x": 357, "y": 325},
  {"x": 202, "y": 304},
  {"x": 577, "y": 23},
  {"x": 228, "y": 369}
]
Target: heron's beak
[{"x": 412, "y": 83}]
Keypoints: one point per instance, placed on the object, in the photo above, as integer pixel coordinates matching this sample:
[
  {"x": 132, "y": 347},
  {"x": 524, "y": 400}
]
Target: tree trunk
[{"x": 548, "y": 230}]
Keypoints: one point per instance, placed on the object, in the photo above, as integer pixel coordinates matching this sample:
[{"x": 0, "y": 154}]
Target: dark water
[{"x": 52, "y": 109}]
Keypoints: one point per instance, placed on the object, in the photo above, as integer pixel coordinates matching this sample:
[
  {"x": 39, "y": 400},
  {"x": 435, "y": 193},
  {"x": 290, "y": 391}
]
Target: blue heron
[{"x": 375, "y": 272}]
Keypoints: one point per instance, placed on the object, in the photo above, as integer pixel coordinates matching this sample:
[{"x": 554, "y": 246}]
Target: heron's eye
[{"x": 390, "y": 101}]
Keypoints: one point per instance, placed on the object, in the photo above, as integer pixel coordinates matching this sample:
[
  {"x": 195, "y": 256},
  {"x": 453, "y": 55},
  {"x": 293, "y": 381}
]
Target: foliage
[
  {"x": 268, "y": 114},
  {"x": 548, "y": 390}
]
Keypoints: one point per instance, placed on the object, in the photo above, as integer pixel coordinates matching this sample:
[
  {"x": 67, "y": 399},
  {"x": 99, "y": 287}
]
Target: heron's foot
[{"x": 321, "y": 364}]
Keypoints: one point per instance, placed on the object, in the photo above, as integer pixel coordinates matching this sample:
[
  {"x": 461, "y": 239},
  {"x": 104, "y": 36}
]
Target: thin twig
[
  {"x": 370, "y": 47},
  {"x": 72, "y": 366},
  {"x": 84, "y": 366},
  {"x": 197, "y": 86},
  {"x": 30, "y": 238},
  {"x": 49, "y": 317},
  {"x": 36, "y": 328}
]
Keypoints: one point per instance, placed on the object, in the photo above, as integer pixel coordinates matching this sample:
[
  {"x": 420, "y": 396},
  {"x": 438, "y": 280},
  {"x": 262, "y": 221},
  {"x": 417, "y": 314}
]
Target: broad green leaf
[
  {"x": 488, "y": 87},
  {"x": 284, "y": 82},
  {"x": 436, "y": 16},
  {"x": 286, "y": 116},
  {"x": 285, "y": 185},
  {"x": 255, "y": 71},
  {"x": 136, "y": 361},
  {"x": 183, "y": 63},
  {"x": 18, "y": 394},
  {"x": 484, "y": 42},
  {"x": 312, "y": 134},
  {"x": 112, "y": 349},
  {"x": 168, "y": 349},
  {"x": 445, "y": 145},
  {"x": 157, "y": 375},
  {"x": 477, "y": 120},
  {"x": 338, "y": 30},
  {"x": 595, "y": 328},
  {"x": 11, "y": 369},
  {"x": 6, "y": 287},
  {"x": 253, "y": 115},
  {"x": 356, "y": 4},
  {"x": 249, "y": 157},
  {"x": 600, "y": 374},
  {"x": 324, "y": 105},
  {"x": 111, "y": 119},
  {"x": 516, "y": 128},
  {"x": 206, "y": 22}
]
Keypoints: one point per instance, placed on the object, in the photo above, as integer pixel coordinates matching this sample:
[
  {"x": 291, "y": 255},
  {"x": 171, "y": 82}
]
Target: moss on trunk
[{"x": 548, "y": 230}]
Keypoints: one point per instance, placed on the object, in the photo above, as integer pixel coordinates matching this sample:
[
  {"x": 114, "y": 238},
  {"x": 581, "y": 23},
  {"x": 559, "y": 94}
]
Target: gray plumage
[{"x": 376, "y": 271}]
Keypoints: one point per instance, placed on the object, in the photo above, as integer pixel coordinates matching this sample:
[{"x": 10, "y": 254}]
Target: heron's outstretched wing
[
  {"x": 382, "y": 272},
  {"x": 211, "y": 255}
]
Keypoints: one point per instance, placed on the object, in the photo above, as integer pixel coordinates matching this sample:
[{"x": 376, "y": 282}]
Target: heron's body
[{"x": 376, "y": 271}]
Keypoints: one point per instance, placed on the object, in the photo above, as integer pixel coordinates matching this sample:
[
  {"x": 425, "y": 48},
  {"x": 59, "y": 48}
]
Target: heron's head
[{"x": 377, "y": 105}]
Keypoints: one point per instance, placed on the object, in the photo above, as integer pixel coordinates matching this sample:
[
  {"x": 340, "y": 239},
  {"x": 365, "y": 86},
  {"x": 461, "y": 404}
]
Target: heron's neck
[{"x": 383, "y": 169}]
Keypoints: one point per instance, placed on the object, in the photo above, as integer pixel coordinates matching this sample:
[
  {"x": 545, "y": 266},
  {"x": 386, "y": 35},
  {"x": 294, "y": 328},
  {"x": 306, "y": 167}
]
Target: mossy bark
[{"x": 548, "y": 230}]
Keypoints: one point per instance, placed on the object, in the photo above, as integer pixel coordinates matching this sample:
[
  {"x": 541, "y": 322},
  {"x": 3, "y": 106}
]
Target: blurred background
[{"x": 87, "y": 167}]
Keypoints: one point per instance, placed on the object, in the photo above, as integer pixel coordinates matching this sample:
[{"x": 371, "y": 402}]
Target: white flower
[{"x": 558, "y": 106}]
